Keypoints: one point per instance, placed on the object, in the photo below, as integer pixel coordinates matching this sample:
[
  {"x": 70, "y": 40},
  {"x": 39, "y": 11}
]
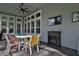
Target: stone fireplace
[{"x": 54, "y": 38}]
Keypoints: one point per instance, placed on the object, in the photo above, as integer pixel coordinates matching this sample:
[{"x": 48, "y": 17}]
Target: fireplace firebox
[{"x": 54, "y": 38}]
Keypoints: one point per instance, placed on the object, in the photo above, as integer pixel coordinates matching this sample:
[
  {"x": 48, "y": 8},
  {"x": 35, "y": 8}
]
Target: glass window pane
[
  {"x": 32, "y": 24},
  {"x": 28, "y": 18},
  {"x": 11, "y": 25},
  {"x": 25, "y": 25},
  {"x": 32, "y": 17},
  {"x": 37, "y": 30},
  {"x": 4, "y": 17},
  {"x": 38, "y": 23},
  {"x": 10, "y": 30},
  {"x": 32, "y": 27},
  {"x": 3, "y": 30},
  {"x": 25, "y": 30},
  {"x": 18, "y": 28},
  {"x": 28, "y": 30},
  {"x": 19, "y": 20},
  {"x": 3, "y": 23},
  {"x": 38, "y": 14},
  {"x": 11, "y": 19},
  {"x": 32, "y": 30},
  {"x": 25, "y": 19},
  {"x": 28, "y": 27}
]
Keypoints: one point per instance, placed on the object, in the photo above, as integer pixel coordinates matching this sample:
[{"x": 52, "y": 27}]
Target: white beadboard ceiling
[{"x": 9, "y": 8}]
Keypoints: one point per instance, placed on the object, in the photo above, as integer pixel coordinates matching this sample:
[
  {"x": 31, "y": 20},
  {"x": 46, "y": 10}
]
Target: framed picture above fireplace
[
  {"x": 75, "y": 16},
  {"x": 55, "y": 20}
]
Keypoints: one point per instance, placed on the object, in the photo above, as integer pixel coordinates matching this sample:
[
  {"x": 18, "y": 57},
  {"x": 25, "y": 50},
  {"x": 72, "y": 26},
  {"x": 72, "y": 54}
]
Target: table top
[
  {"x": 23, "y": 36},
  {"x": 20, "y": 36}
]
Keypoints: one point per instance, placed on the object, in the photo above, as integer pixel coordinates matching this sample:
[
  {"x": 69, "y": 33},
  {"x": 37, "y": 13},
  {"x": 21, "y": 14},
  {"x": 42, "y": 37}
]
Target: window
[
  {"x": 3, "y": 26},
  {"x": 25, "y": 20},
  {"x": 11, "y": 19},
  {"x": 38, "y": 26},
  {"x": 32, "y": 26},
  {"x": 19, "y": 20},
  {"x": 32, "y": 17},
  {"x": 37, "y": 30},
  {"x": 4, "y": 17},
  {"x": 4, "y": 23},
  {"x": 28, "y": 27},
  {"x": 3, "y": 30},
  {"x": 18, "y": 28},
  {"x": 11, "y": 27},
  {"x": 38, "y": 23},
  {"x": 10, "y": 30},
  {"x": 28, "y": 18},
  {"x": 25, "y": 27},
  {"x": 38, "y": 14}
]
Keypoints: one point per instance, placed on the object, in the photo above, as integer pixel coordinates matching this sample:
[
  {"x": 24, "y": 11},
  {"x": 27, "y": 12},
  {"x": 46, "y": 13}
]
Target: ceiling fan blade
[
  {"x": 16, "y": 8},
  {"x": 20, "y": 6},
  {"x": 26, "y": 12},
  {"x": 23, "y": 12},
  {"x": 26, "y": 8}
]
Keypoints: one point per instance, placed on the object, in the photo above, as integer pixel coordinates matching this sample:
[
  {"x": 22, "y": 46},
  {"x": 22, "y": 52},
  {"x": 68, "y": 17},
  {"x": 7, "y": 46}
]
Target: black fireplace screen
[{"x": 54, "y": 38}]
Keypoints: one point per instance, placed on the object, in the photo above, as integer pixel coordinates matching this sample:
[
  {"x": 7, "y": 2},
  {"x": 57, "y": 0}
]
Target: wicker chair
[
  {"x": 12, "y": 43},
  {"x": 31, "y": 42}
]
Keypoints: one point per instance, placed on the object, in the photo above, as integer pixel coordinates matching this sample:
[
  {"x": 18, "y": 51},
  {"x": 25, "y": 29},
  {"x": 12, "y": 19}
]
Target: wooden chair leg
[
  {"x": 25, "y": 47},
  {"x": 8, "y": 49},
  {"x": 30, "y": 50},
  {"x": 37, "y": 48},
  {"x": 19, "y": 46}
]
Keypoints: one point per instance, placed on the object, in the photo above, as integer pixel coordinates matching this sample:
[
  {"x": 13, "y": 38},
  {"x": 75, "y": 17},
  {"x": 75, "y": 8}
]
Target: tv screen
[
  {"x": 51, "y": 21},
  {"x": 54, "y": 20}
]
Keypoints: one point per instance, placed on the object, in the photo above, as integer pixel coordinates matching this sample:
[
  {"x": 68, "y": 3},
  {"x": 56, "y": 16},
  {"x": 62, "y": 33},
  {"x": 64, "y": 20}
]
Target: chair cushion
[
  {"x": 13, "y": 42},
  {"x": 34, "y": 39},
  {"x": 12, "y": 39},
  {"x": 13, "y": 48}
]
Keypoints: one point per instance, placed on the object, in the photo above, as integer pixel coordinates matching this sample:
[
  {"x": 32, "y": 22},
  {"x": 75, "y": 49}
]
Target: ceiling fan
[{"x": 22, "y": 9}]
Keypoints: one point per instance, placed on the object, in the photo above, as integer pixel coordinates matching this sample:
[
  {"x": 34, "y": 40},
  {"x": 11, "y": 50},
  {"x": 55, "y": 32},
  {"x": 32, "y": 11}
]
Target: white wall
[{"x": 69, "y": 30}]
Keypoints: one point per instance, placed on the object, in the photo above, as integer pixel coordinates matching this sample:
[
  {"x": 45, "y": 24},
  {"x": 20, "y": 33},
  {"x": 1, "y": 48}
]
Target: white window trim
[
  {"x": 19, "y": 22},
  {"x": 36, "y": 18}
]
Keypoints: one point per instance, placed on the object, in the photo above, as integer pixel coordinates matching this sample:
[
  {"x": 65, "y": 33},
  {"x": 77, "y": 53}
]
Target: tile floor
[{"x": 45, "y": 50}]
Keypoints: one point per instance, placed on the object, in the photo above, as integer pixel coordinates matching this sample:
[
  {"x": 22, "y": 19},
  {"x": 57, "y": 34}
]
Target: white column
[{"x": 7, "y": 28}]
